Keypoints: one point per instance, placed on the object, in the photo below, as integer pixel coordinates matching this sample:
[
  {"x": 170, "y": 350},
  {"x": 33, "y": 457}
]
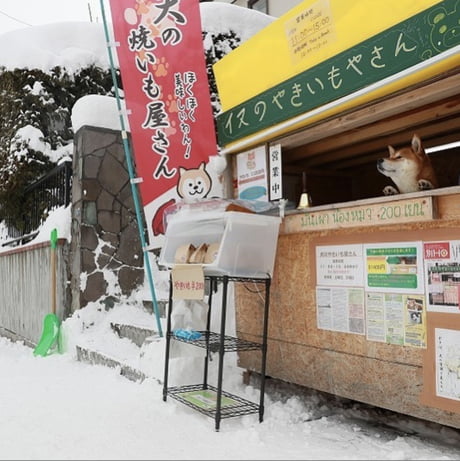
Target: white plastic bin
[{"x": 248, "y": 241}]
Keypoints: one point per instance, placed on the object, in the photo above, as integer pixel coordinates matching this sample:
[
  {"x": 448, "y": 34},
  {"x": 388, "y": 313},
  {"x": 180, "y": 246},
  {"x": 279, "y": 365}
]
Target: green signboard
[{"x": 417, "y": 39}]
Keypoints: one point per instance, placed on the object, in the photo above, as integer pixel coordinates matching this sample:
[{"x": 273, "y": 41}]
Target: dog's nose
[{"x": 379, "y": 161}]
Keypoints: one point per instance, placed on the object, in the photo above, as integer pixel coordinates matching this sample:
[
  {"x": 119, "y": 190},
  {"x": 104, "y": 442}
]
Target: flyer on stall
[
  {"x": 340, "y": 265},
  {"x": 447, "y": 363},
  {"x": 396, "y": 318},
  {"x": 340, "y": 309},
  {"x": 442, "y": 275},
  {"x": 394, "y": 267}
]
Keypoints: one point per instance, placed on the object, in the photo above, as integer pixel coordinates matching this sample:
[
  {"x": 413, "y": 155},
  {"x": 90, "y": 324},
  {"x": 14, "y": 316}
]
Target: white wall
[{"x": 275, "y": 7}]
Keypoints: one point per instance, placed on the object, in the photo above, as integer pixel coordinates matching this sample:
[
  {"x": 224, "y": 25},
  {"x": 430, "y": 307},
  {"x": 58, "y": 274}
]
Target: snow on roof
[
  {"x": 72, "y": 45},
  {"x": 222, "y": 18}
]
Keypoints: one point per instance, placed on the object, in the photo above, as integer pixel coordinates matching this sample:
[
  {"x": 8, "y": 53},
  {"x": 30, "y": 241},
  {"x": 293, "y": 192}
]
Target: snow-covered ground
[{"x": 56, "y": 407}]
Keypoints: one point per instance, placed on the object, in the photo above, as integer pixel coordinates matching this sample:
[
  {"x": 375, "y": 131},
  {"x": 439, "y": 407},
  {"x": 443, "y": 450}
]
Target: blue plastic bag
[{"x": 190, "y": 335}]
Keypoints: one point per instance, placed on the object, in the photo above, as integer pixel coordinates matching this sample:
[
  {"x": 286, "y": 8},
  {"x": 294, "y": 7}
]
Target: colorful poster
[
  {"x": 251, "y": 169},
  {"x": 415, "y": 321},
  {"x": 341, "y": 265},
  {"x": 165, "y": 86},
  {"x": 442, "y": 276},
  {"x": 396, "y": 318},
  {"x": 447, "y": 363},
  {"x": 394, "y": 267}
]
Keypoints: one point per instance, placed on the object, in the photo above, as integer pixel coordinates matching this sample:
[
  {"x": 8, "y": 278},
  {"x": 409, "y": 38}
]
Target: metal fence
[{"x": 51, "y": 191}]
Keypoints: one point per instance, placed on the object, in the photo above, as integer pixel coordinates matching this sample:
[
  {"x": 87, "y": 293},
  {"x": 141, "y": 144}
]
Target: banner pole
[{"x": 134, "y": 191}]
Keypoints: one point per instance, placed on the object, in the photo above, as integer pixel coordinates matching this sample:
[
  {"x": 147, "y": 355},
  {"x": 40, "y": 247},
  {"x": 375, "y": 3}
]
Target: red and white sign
[
  {"x": 166, "y": 91},
  {"x": 436, "y": 250}
]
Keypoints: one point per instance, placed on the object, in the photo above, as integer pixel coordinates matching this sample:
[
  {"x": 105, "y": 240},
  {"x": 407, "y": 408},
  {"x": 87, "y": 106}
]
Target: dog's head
[
  {"x": 409, "y": 167},
  {"x": 194, "y": 183},
  {"x": 416, "y": 317}
]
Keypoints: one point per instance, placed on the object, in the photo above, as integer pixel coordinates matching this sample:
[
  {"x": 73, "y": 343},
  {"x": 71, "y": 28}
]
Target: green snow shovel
[{"x": 51, "y": 324}]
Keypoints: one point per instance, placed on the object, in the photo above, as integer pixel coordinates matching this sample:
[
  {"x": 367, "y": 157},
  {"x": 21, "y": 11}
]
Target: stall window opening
[{"x": 259, "y": 5}]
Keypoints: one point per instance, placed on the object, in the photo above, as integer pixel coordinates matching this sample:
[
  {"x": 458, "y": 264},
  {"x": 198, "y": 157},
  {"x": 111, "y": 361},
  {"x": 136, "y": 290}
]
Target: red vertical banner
[{"x": 166, "y": 91}]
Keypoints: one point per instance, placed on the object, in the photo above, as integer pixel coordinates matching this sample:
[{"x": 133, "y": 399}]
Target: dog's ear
[
  {"x": 391, "y": 150},
  {"x": 417, "y": 144}
]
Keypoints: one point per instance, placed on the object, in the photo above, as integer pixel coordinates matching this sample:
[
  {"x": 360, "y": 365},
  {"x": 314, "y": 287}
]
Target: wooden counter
[{"x": 390, "y": 376}]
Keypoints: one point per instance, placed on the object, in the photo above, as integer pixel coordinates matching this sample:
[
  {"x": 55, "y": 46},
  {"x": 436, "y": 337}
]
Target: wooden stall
[
  {"x": 350, "y": 268},
  {"x": 380, "y": 368}
]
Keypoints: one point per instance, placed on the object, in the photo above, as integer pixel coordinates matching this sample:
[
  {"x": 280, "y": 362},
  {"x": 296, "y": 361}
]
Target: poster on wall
[
  {"x": 251, "y": 169},
  {"x": 373, "y": 289},
  {"x": 415, "y": 321},
  {"x": 394, "y": 267},
  {"x": 340, "y": 309},
  {"x": 447, "y": 363},
  {"x": 396, "y": 318},
  {"x": 442, "y": 275},
  {"x": 375, "y": 317},
  {"x": 340, "y": 265}
]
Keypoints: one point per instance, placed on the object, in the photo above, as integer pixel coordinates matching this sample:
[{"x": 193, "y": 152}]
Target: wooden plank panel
[
  {"x": 426, "y": 93},
  {"x": 377, "y": 145},
  {"x": 445, "y": 116},
  {"x": 371, "y": 214}
]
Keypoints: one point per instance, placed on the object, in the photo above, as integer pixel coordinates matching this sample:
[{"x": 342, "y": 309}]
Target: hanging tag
[{"x": 188, "y": 281}]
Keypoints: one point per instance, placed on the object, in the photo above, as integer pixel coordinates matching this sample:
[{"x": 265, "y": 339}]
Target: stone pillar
[{"x": 106, "y": 253}]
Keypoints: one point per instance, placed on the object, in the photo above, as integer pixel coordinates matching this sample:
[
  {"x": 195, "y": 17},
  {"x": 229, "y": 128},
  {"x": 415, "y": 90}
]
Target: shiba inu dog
[
  {"x": 194, "y": 184},
  {"x": 409, "y": 168}
]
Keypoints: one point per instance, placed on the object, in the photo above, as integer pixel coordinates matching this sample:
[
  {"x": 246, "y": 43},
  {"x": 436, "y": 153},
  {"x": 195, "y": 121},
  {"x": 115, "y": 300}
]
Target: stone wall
[{"x": 106, "y": 253}]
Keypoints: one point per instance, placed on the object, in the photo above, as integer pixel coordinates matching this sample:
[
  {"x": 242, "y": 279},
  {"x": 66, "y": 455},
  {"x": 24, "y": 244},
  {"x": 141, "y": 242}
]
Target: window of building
[{"x": 259, "y": 5}]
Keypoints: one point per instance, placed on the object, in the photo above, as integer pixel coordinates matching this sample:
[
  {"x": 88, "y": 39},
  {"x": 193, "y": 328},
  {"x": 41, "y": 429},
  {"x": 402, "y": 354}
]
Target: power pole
[{"x": 89, "y": 12}]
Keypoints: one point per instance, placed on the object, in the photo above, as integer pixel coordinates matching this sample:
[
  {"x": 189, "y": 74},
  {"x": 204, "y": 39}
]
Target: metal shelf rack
[{"x": 210, "y": 400}]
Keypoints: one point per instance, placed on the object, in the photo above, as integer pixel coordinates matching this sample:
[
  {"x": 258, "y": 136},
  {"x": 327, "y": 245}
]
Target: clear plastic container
[{"x": 247, "y": 247}]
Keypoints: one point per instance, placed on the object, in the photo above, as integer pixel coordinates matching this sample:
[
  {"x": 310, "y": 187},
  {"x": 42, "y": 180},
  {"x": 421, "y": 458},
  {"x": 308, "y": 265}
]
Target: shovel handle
[
  {"x": 54, "y": 239},
  {"x": 53, "y": 270}
]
